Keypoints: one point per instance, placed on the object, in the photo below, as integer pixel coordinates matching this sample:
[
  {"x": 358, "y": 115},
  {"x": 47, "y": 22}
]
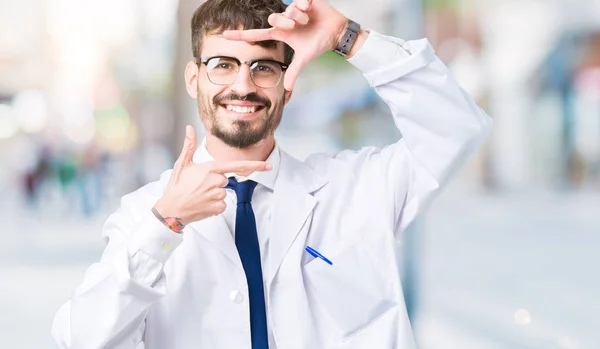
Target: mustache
[{"x": 250, "y": 97}]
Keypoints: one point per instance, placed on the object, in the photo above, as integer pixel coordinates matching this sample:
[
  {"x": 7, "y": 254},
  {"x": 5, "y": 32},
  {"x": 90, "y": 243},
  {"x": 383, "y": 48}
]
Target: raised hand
[
  {"x": 196, "y": 191},
  {"x": 310, "y": 27}
]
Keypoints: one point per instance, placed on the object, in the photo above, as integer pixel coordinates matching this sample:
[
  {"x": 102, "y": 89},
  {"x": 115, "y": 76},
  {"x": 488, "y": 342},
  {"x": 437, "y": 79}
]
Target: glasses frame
[{"x": 249, "y": 64}]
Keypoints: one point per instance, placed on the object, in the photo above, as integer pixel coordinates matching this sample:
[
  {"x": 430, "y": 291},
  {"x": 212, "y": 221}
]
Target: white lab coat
[{"x": 182, "y": 292}]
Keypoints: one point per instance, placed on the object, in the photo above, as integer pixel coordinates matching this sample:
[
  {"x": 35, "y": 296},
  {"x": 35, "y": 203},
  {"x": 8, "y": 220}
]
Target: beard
[{"x": 242, "y": 133}]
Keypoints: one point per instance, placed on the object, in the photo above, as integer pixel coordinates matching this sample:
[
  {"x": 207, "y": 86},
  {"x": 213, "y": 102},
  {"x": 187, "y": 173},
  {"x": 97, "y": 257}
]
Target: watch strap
[{"x": 348, "y": 39}]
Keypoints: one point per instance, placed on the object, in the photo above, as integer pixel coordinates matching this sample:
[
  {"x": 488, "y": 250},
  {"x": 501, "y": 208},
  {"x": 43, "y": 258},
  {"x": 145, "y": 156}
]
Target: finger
[
  {"x": 291, "y": 74},
  {"x": 217, "y": 207},
  {"x": 253, "y": 35},
  {"x": 279, "y": 21},
  {"x": 216, "y": 180},
  {"x": 295, "y": 14},
  {"x": 187, "y": 152},
  {"x": 303, "y": 5},
  {"x": 243, "y": 168},
  {"x": 217, "y": 194}
]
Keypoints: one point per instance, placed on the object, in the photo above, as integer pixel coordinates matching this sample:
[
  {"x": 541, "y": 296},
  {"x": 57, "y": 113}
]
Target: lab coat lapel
[
  {"x": 293, "y": 204},
  {"x": 215, "y": 230}
]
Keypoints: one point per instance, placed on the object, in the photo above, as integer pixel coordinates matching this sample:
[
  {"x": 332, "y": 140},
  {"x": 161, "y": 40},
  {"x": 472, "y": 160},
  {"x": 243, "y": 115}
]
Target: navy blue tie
[{"x": 246, "y": 241}]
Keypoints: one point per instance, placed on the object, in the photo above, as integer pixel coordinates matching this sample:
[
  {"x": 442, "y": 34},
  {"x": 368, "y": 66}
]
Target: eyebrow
[
  {"x": 265, "y": 59},
  {"x": 262, "y": 58}
]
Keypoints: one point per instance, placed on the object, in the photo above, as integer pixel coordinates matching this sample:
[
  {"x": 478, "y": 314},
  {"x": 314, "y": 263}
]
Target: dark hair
[{"x": 216, "y": 16}]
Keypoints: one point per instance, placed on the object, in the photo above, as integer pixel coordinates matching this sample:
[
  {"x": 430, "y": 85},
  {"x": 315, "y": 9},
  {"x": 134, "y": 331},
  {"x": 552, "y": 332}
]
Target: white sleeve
[
  {"x": 441, "y": 125},
  {"x": 108, "y": 308}
]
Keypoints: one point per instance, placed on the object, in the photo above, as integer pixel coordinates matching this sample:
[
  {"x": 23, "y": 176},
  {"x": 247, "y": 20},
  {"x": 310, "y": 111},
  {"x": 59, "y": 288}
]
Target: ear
[
  {"x": 288, "y": 95},
  {"x": 191, "y": 79}
]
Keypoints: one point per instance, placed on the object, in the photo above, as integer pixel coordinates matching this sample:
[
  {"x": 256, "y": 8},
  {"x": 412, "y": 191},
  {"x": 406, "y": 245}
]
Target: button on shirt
[{"x": 261, "y": 204}]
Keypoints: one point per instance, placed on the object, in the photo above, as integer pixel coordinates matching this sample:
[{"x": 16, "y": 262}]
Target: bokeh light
[{"x": 8, "y": 124}]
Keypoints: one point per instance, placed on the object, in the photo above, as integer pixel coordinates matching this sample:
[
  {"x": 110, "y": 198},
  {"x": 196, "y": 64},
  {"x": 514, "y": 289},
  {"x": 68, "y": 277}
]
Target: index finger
[
  {"x": 252, "y": 35},
  {"x": 241, "y": 167}
]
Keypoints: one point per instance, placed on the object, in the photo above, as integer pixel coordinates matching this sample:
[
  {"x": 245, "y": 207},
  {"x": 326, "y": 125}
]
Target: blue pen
[{"x": 316, "y": 254}]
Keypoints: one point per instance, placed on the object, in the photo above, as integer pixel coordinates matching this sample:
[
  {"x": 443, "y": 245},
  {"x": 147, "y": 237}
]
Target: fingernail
[
  {"x": 188, "y": 131},
  {"x": 304, "y": 5},
  {"x": 268, "y": 166}
]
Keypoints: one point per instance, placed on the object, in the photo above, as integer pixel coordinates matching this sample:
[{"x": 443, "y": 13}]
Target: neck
[{"x": 223, "y": 152}]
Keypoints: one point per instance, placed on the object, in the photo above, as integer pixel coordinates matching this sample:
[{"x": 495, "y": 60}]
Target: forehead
[{"x": 213, "y": 45}]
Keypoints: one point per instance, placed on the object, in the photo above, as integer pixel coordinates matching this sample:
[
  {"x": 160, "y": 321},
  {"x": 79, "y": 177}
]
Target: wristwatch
[{"x": 348, "y": 39}]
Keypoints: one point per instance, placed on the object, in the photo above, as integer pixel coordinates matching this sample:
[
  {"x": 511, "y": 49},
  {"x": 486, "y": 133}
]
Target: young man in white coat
[{"x": 241, "y": 246}]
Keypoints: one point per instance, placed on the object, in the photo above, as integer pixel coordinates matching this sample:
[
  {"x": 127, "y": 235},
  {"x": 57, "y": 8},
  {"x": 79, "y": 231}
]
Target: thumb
[
  {"x": 187, "y": 152},
  {"x": 292, "y": 72},
  {"x": 189, "y": 145}
]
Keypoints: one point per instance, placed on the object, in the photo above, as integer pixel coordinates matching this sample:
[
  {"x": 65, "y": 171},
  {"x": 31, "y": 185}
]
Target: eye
[
  {"x": 264, "y": 68},
  {"x": 224, "y": 65}
]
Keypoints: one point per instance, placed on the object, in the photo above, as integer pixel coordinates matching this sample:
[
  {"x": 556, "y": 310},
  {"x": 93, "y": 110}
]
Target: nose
[{"x": 243, "y": 85}]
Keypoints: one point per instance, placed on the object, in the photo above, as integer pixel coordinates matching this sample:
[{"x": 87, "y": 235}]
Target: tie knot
[{"x": 243, "y": 190}]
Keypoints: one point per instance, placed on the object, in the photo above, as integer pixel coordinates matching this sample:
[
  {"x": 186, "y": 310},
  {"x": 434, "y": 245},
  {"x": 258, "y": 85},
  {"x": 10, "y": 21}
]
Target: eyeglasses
[{"x": 264, "y": 73}]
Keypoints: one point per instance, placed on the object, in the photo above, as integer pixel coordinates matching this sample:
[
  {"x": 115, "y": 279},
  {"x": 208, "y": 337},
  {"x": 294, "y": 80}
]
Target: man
[{"x": 242, "y": 246}]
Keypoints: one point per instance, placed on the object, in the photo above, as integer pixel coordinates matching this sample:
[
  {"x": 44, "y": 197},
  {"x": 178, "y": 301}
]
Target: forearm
[{"x": 441, "y": 125}]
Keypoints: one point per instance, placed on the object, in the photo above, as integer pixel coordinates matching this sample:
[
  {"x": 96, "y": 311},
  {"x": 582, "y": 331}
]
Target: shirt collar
[{"x": 265, "y": 178}]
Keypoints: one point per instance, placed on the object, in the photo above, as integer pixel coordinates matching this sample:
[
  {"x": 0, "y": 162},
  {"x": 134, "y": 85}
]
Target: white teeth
[{"x": 239, "y": 109}]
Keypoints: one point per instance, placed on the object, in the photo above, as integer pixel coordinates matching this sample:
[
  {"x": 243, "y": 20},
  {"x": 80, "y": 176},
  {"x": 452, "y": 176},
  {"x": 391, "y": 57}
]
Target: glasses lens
[
  {"x": 222, "y": 71},
  {"x": 265, "y": 73}
]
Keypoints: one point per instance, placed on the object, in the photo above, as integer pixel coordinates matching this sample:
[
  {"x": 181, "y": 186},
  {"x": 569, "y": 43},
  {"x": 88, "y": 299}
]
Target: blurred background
[{"x": 93, "y": 106}]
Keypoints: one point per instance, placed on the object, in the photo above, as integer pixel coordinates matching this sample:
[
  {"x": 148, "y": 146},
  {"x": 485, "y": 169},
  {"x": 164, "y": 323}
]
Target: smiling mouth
[{"x": 243, "y": 109}]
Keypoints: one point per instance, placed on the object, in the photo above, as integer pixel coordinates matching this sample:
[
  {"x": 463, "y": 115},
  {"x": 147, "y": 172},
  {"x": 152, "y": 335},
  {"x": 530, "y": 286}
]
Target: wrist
[
  {"x": 172, "y": 222},
  {"x": 349, "y": 38},
  {"x": 340, "y": 32}
]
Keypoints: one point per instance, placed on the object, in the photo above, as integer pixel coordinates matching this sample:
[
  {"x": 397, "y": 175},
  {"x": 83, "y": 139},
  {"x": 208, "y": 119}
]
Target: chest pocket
[{"x": 352, "y": 292}]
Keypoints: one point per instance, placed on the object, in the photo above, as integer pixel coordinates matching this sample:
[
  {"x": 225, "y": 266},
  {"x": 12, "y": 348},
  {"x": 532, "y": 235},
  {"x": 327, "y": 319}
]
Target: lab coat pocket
[{"x": 351, "y": 292}]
